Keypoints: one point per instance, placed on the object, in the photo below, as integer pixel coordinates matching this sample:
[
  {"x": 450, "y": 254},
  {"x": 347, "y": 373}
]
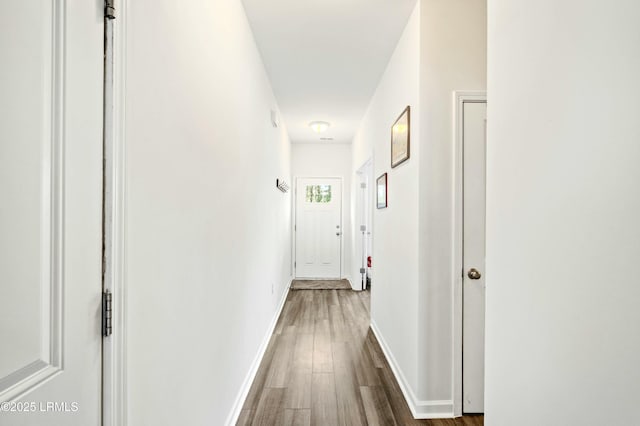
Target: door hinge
[
  {"x": 295, "y": 264},
  {"x": 107, "y": 312},
  {"x": 109, "y": 9}
]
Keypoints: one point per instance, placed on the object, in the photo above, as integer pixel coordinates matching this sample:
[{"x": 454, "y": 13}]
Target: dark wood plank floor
[{"x": 324, "y": 367}]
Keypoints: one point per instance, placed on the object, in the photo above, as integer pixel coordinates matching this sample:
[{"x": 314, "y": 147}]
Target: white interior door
[
  {"x": 318, "y": 227},
  {"x": 51, "y": 81},
  {"x": 474, "y": 144},
  {"x": 363, "y": 214}
]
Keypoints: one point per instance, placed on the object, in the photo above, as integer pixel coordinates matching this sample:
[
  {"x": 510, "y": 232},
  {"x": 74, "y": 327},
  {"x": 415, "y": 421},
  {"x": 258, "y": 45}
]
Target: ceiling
[{"x": 325, "y": 58}]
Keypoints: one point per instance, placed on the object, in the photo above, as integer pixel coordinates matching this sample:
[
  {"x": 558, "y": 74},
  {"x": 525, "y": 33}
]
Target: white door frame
[
  {"x": 114, "y": 383},
  {"x": 366, "y": 169},
  {"x": 295, "y": 221},
  {"x": 459, "y": 98}
]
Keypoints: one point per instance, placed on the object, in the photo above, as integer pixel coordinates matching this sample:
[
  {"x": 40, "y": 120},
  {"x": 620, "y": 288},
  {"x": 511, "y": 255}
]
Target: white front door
[
  {"x": 318, "y": 227},
  {"x": 474, "y": 143},
  {"x": 51, "y": 81}
]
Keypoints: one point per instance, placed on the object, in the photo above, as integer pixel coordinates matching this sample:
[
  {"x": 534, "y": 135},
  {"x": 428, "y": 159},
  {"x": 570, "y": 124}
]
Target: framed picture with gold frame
[{"x": 401, "y": 138}]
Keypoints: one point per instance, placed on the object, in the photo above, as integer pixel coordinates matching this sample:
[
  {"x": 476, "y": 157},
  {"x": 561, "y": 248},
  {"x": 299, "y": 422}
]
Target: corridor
[
  {"x": 324, "y": 366},
  {"x": 319, "y": 212}
]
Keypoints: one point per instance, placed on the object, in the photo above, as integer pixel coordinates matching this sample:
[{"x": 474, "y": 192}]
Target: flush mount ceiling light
[{"x": 319, "y": 126}]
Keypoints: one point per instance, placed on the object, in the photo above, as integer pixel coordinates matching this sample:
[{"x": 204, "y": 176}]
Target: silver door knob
[{"x": 474, "y": 274}]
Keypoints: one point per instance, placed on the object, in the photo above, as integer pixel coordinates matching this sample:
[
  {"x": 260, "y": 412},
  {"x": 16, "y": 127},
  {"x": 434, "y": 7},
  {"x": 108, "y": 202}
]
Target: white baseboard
[
  {"x": 356, "y": 285},
  {"x": 420, "y": 409},
  {"x": 348, "y": 278},
  {"x": 232, "y": 419}
]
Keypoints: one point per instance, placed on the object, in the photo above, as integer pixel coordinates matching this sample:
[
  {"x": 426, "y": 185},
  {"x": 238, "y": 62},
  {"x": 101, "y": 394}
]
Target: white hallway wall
[
  {"x": 394, "y": 295},
  {"x": 208, "y": 241},
  {"x": 443, "y": 49},
  {"x": 563, "y": 235},
  {"x": 328, "y": 160},
  {"x": 453, "y": 56}
]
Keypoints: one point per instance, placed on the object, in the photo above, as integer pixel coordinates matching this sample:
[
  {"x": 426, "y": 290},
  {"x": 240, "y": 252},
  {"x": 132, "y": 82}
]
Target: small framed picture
[
  {"x": 401, "y": 138},
  {"x": 381, "y": 190}
]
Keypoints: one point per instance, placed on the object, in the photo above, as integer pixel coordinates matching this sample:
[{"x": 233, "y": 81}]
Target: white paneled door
[
  {"x": 51, "y": 81},
  {"x": 318, "y": 227},
  {"x": 474, "y": 146}
]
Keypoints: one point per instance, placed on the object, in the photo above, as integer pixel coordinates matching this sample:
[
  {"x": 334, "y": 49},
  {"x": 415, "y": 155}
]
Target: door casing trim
[{"x": 114, "y": 373}]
